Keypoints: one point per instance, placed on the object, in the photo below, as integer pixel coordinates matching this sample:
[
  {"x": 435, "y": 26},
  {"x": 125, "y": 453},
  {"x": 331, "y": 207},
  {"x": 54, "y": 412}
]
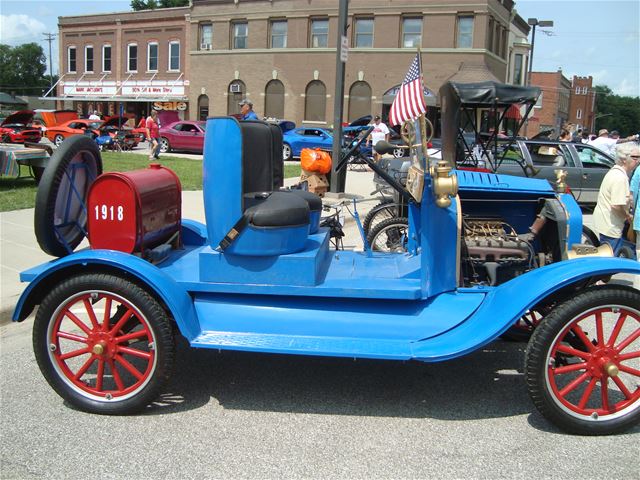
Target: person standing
[
  {"x": 94, "y": 116},
  {"x": 380, "y": 132},
  {"x": 153, "y": 135},
  {"x": 246, "y": 110},
  {"x": 612, "y": 207}
]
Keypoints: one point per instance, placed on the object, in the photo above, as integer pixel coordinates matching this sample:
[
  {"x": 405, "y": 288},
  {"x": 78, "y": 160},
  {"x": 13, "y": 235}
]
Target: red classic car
[
  {"x": 58, "y": 133},
  {"x": 182, "y": 135},
  {"x": 16, "y": 128}
]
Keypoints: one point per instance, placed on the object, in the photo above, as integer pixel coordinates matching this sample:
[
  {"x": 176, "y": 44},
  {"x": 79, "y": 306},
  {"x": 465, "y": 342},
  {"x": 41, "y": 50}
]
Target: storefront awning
[
  {"x": 116, "y": 99},
  {"x": 513, "y": 112}
]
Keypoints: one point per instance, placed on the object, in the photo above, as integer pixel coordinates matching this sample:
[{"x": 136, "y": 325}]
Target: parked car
[
  {"x": 585, "y": 165},
  {"x": 295, "y": 139},
  {"x": 79, "y": 126},
  {"x": 182, "y": 135},
  {"x": 127, "y": 136},
  {"x": 17, "y": 128}
]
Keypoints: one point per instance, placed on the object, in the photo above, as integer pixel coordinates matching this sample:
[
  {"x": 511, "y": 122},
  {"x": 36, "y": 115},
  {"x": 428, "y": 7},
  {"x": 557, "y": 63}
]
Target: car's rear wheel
[
  {"x": 58, "y": 139},
  {"x": 286, "y": 152},
  {"x": 399, "y": 152},
  {"x": 165, "y": 146}
]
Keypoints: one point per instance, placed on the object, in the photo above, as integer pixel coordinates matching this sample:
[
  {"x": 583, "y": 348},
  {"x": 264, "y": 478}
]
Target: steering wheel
[{"x": 354, "y": 146}]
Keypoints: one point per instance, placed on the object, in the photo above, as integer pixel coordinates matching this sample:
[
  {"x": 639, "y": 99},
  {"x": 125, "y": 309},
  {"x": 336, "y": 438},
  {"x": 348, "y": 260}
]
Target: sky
[{"x": 600, "y": 38}]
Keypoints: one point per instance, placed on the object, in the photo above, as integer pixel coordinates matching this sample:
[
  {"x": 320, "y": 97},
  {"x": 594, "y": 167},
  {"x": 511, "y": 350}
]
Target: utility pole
[
  {"x": 48, "y": 37},
  {"x": 338, "y": 178}
]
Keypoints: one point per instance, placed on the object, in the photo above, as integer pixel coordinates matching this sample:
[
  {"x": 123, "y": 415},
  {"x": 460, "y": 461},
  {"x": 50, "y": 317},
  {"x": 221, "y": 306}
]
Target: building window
[
  {"x": 279, "y": 34},
  {"x": 359, "y": 100},
  {"x": 236, "y": 92},
  {"x": 274, "y": 99},
  {"x": 106, "y": 58},
  {"x": 517, "y": 69},
  {"x": 88, "y": 59},
  {"x": 319, "y": 33},
  {"x": 174, "y": 56},
  {"x": 363, "y": 33},
  {"x": 132, "y": 57},
  {"x": 203, "y": 107},
  {"x": 464, "y": 39},
  {"x": 240, "y": 30},
  {"x": 315, "y": 102},
  {"x": 71, "y": 59},
  {"x": 503, "y": 51},
  {"x": 579, "y": 114},
  {"x": 490, "y": 35},
  {"x": 539, "y": 101},
  {"x": 584, "y": 90},
  {"x": 152, "y": 57},
  {"x": 206, "y": 36},
  {"x": 411, "y": 32}
]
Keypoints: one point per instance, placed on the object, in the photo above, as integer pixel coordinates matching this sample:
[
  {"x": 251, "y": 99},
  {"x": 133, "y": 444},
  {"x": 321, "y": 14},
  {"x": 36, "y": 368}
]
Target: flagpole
[{"x": 422, "y": 119}]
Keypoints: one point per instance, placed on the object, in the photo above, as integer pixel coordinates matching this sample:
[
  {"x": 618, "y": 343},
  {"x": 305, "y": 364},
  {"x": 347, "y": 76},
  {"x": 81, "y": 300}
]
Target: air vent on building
[
  {"x": 235, "y": 88},
  {"x": 205, "y": 46}
]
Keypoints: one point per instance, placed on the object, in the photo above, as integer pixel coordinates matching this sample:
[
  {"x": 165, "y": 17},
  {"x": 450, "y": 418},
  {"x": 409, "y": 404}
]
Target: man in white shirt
[
  {"x": 379, "y": 132},
  {"x": 608, "y": 144},
  {"x": 94, "y": 116},
  {"x": 612, "y": 208}
]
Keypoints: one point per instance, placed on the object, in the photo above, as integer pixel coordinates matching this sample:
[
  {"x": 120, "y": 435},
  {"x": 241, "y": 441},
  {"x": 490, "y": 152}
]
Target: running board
[{"x": 305, "y": 345}]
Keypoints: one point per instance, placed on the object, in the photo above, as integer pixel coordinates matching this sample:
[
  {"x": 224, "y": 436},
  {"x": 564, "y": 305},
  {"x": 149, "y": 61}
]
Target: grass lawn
[{"x": 18, "y": 193}]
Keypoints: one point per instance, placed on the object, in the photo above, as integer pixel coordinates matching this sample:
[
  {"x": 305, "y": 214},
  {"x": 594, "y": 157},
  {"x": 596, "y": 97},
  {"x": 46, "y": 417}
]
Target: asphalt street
[{"x": 244, "y": 415}]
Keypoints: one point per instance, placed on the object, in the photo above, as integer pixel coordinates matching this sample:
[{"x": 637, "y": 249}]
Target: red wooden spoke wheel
[
  {"x": 103, "y": 343},
  {"x": 583, "y": 362}
]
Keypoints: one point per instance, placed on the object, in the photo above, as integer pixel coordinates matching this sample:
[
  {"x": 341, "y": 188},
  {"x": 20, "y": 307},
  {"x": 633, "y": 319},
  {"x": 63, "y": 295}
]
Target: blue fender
[
  {"x": 506, "y": 303},
  {"x": 175, "y": 297}
]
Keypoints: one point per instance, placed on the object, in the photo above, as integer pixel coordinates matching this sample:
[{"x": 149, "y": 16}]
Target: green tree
[
  {"x": 23, "y": 69},
  {"x": 153, "y": 4},
  {"x": 616, "y": 112}
]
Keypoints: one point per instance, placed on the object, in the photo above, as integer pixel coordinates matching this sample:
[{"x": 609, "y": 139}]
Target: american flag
[{"x": 409, "y": 102}]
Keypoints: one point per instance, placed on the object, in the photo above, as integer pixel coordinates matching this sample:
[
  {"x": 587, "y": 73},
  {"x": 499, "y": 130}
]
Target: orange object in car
[{"x": 315, "y": 160}]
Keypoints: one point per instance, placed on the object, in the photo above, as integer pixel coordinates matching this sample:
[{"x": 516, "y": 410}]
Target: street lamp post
[{"x": 534, "y": 22}]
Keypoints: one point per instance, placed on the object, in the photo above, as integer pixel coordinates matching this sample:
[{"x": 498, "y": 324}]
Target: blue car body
[{"x": 314, "y": 137}]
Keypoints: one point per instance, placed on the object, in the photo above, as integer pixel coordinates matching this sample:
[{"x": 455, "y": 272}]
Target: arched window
[
  {"x": 236, "y": 93},
  {"x": 274, "y": 99},
  {"x": 359, "y": 100},
  {"x": 315, "y": 104},
  {"x": 203, "y": 107}
]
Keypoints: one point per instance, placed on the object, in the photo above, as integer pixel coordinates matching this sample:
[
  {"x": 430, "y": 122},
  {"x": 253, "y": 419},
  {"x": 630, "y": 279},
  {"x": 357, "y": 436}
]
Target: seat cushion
[
  {"x": 314, "y": 201},
  {"x": 279, "y": 210}
]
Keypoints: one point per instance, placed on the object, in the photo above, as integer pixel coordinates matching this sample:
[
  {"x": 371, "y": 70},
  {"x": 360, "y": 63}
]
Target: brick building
[
  {"x": 133, "y": 60},
  {"x": 552, "y": 110},
  {"x": 582, "y": 103},
  {"x": 281, "y": 53},
  {"x": 202, "y": 59}
]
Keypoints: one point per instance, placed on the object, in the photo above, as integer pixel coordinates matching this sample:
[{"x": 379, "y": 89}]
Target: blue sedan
[{"x": 295, "y": 139}]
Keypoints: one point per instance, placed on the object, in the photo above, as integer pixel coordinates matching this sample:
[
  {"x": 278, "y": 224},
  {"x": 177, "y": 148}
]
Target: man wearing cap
[
  {"x": 380, "y": 132},
  {"x": 246, "y": 110},
  {"x": 608, "y": 144}
]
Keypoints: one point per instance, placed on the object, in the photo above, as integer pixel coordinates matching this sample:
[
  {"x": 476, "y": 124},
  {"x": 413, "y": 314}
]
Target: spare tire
[{"x": 60, "y": 219}]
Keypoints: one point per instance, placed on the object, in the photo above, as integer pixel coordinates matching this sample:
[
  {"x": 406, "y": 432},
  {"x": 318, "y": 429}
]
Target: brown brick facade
[
  {"x": 582, "y": 103},
  {"x": 552, "y": 110}
]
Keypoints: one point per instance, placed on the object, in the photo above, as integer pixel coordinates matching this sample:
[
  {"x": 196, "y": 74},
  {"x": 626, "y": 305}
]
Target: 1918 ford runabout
[{"x": 261, "y": 276}]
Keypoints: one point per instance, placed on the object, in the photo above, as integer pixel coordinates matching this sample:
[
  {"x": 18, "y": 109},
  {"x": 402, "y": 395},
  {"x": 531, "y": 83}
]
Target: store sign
[
  {"x": 180, "y": 106},
  {"x": 149, "y": 90},
  {"x": 88, "y": 90}
]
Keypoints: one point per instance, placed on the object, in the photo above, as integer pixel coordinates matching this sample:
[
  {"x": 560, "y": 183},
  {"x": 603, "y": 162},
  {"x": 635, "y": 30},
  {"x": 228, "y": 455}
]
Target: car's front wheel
[
  {"x": 582, "y": 364},
  {"x": 164, "y": 145},
  {"x": 58, "y": 139},
  {"x": 286, "y": 152},
  {"x": 399, "y": 152}
]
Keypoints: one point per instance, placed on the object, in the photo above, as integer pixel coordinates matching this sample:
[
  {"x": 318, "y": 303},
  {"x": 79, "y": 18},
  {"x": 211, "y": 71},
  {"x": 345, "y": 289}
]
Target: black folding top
[{"x": 492, "y": 93}]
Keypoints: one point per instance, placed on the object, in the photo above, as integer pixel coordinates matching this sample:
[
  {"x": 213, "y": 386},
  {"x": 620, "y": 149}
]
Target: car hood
[
  {"x": 286, "y": 126},
  {"x": 21, "y": 117},
  {"x": 114, "y": 122},
  {"x": 362, "y": 121}
]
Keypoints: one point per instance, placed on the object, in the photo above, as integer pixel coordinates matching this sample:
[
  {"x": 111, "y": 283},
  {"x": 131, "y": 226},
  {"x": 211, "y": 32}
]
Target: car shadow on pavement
[{"x": 486, "y": 384}]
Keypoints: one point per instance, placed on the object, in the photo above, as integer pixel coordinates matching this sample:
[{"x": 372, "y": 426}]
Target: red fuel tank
[{"x": 134, "y": 211}]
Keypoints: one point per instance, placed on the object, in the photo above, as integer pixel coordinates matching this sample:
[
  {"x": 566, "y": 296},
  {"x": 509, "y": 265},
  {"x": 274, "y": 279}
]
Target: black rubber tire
[
  {"x": 58, "y": 140},
  {"x": 154, "y": 317},
  {"x": 165, "y": 146},
  {"x": 285, "y": 157},
  {"x": 626, "y": 252},
  {"x": 78, "y": 149},
  {"x": 589, "y": 236},
  {"x": 552, "y": 330},
  {"x": 401, "y": 223},
  {"x": 374, "y": 212}
]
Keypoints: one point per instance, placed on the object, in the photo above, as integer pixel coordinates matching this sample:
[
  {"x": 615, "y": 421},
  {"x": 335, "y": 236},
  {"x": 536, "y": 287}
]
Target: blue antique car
[{"x": 261, "y": 276}]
